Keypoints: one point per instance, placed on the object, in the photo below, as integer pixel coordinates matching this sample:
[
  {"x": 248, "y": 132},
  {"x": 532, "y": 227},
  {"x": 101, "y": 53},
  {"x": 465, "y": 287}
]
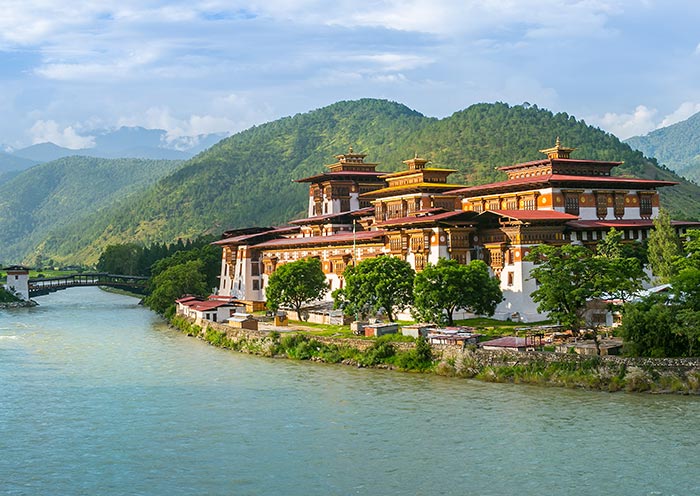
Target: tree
[
  {"x": 295, "y": 284},
  {"x": 664, "y": 248},
  {"x": 120, "y": 259},
  {"x": 441, "y": 289},
  {"x": 172, "y": 283},
  {"x": 382, "y": 282},
  {"x": 668, "y": 324},
  {"x": 567, "y": 278},
  {"x": 622, "y": 273}
]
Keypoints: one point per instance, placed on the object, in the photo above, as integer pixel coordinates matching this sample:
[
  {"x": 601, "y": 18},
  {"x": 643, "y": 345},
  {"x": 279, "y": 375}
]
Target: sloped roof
[
  {"x": 342, "y": 238},
  {"x": 530, "y": 215}
]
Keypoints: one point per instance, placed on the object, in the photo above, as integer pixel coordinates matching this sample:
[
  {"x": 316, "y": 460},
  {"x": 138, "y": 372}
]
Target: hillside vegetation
[
  {"x": 676, "y": 146},
  {"x": 50, "y": 199},
  {"x": 247, "y": 179}
]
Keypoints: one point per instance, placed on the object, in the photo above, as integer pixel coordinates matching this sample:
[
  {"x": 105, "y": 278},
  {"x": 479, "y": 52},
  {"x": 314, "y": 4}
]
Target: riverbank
[
  {"x": 18, "y": 304},
  {"x": 603, "y": 373}
]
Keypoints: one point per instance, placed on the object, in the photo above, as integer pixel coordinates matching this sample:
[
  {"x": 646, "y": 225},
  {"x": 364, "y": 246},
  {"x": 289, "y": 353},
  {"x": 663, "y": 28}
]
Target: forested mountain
[
  {"x": 246, "y": 179},
  {"x": 676, "y": 146},
  {"x": 12, "y": 163},
  {"x": 50, "y": 198}
]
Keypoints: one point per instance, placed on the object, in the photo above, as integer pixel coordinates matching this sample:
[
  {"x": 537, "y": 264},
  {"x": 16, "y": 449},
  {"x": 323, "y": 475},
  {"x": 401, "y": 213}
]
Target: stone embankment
[{"x": 607, "y": 373}]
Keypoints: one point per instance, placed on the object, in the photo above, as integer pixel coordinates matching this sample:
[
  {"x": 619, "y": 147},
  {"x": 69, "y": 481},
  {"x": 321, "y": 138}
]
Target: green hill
[
  {"x": 47, "y": 199},
  {"x": 676, "y": 146},
  {"x": 246, "y": 179}
]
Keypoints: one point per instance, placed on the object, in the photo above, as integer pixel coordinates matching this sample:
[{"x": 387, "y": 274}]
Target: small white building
[
  {"x": 214, "y": 310},
  {"x": 18, "y": 280}
]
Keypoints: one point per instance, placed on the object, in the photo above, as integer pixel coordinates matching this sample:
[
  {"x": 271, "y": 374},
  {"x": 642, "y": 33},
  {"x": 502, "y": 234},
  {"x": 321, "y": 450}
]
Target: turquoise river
[{"x": 99, "y": 397}]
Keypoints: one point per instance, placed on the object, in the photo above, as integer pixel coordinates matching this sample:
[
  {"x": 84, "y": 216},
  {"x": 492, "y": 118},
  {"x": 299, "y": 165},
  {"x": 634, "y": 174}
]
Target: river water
[{"x": 99, "y": 397}]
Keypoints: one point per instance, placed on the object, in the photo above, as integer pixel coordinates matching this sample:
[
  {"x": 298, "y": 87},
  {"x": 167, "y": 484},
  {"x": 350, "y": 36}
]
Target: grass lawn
[{"x": 491, "y": 328}]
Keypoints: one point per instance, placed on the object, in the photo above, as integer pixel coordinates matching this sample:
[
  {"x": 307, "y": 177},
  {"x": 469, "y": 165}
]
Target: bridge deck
[{"x": 46, "y": 285}]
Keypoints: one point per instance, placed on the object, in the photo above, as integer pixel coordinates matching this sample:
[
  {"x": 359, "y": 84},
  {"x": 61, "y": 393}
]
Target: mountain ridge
[
  {"x": 677, "y": 146},
  {"x": 247, "y": 178}
]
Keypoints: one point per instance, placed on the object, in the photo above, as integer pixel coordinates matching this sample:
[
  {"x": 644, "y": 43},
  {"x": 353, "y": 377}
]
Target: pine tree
[{"x": 664, "y": 248}]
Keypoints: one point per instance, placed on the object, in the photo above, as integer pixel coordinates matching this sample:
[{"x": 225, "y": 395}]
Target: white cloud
[
  {"x": 49, "y": 131},
  {"x": 624, "y": 126},
  {"x": 117, "y": 69},
  {"x": 685, "y": 110},
  {"x": 643, "y": 120},
  {"x": 161, "y": 118}
]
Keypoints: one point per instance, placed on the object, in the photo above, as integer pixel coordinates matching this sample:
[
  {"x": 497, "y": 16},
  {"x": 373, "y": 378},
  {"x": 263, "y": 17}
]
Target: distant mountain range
[
  {"x": 125, "y": 142},
  {"x": 676, "y": 146},
  {"x": 44, "y": 200},
  {"x": 247, "y": 179}
]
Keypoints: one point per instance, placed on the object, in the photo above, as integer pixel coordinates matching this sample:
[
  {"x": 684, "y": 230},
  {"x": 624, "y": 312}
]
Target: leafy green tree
[
  {"x": 441, "y": 289},
  {"x": 567, "y": 279},
  {"x": 208, "y": 254},
  {"x": 621, "y": 275},
  {"x": 120, "y": 259},
  {"x": 295, "y": 284},
  {"x": 383, "y": 282},
  {"x": 664, "y": 248},
  {"x": 175, "y": 281},
  {"x": 668, "y": 324},
  {"x": 650, "y": 328}
]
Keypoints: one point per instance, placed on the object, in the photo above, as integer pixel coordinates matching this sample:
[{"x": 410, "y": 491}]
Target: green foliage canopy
[
  {"x": 295, "y": 284},
  {"x": 175, "y": 281},
  {"x": 441, "y": 289},
  {"x": 380, "y": 283},
  {"x": 668, "y": 324},
  {"x": 664, "y": 248},
  {"x": 567, "y": 280}
]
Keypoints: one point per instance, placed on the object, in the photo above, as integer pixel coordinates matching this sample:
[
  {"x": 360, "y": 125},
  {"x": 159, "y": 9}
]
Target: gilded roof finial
[
  {"x": 350, "y": 148},
  {"x": 557, "y": 151}
]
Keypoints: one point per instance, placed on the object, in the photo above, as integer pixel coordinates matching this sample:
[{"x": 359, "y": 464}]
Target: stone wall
[
  {"x": 522, "y": 358},
  {"x": 483, "y": 357}
]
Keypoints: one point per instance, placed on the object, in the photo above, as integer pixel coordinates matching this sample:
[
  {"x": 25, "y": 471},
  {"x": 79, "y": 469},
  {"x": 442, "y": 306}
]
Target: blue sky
[{"x": 193, "y": 67}]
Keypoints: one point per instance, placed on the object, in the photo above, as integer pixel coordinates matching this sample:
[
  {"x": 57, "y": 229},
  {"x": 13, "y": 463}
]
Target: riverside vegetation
[{"x": 681, "y": 376}]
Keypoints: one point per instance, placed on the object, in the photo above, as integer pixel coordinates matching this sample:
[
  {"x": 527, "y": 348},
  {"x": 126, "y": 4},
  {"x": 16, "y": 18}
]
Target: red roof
[
  {"x": 317, "y": 218},
  {"x": 336, "y": 174},
  {"x": 247, "y": 237},
  {"x": 529, "y": 215},
  {"x": 551, "y": 178},
  {"x": 322, "y": 240},
  {"x": 507, "y": 342},
  {"x": 207, "y": 305},
  {"x": 423, "y": 219},
  {"x": 185, "y": 299}
]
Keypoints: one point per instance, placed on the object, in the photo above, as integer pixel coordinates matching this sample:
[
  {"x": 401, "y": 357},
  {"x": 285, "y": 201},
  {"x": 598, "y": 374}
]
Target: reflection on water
[{"x": 98, "y": 396}]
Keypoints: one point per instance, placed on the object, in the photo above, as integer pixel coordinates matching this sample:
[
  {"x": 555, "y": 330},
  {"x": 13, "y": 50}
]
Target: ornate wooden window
[
  {"x": 645, "y": 208},
  {"x": 571, "y": 205},
  {"x": 601, "y": 205},
  {"x": 619, "y": 208},
  {"x": 420, "y": 261}
]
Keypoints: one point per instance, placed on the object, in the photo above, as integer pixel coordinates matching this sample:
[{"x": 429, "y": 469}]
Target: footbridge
[{"x": 46, "y": 285}]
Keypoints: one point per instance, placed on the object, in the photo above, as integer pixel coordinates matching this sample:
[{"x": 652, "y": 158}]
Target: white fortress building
[{"x": 415, "y": 214}]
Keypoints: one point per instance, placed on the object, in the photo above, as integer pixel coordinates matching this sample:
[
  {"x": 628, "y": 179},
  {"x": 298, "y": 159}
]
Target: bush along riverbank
[{"x": 605, "y": 373}]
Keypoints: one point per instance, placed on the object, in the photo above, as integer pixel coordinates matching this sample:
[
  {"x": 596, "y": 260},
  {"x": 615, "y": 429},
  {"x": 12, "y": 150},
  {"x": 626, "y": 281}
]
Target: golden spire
[
  {"x": 416, "y": 162},
  {"x": 558, "y": 151}
]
